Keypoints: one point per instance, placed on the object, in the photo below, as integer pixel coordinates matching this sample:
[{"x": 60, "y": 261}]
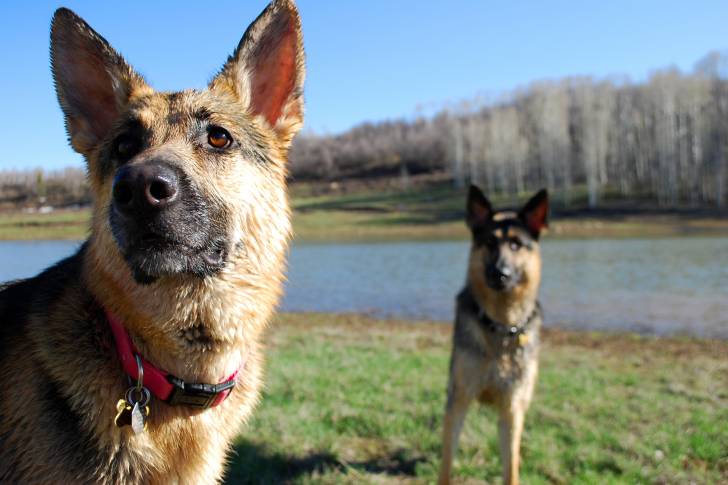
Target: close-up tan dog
[
  {"x": 138, "y": 359},
  {"x": 497, "y": 324}
]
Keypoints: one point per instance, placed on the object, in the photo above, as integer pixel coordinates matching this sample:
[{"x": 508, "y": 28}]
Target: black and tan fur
[
  {"x": 194, "y": 272},
  {"x": 497, "y": 323}
]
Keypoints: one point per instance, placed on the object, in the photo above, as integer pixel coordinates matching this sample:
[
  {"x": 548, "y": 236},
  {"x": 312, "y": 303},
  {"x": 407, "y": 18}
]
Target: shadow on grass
[{"x": 255, "y": 464}]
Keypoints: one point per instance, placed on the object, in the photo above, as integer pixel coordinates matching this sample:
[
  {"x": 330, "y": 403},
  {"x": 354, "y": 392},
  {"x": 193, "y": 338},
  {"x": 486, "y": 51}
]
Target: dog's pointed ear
[
  {"x": 535, "y": 213},
  {"x": 93, "y": 82},
  {"x": 266, "y": 71},
  {"x": 478, "y": 211}
]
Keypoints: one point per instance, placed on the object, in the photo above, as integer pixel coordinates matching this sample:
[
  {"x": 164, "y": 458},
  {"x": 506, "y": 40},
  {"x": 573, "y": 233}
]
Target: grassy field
[
  {"x": 433, "y": 212},
  {"x": 62, "y": 224},
  {"x": 436, "y": 212},
  {"x": 351, "y": 399}
]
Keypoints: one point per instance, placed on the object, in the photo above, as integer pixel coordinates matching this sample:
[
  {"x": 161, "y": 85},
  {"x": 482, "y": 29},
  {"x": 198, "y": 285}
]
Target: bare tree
[{"x": 664, "y": 141}]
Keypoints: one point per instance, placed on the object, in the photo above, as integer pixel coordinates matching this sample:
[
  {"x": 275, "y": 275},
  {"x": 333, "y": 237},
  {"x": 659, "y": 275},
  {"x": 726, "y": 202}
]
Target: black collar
[
  {"x": 512, "y": 331},
  {"x": 466, "y": 300}
]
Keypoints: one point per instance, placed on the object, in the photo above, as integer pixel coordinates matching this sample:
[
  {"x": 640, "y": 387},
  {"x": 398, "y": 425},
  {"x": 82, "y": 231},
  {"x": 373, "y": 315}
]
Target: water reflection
[{"x": 660, "y": 286}]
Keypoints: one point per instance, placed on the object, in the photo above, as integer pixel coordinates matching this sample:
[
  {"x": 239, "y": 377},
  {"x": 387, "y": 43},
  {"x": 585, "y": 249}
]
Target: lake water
[{"x": 655, "y": 286}]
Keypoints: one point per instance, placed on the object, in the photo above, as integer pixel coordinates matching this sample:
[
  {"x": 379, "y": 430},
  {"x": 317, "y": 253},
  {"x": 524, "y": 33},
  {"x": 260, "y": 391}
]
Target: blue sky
[{"x": 367, "y": 60}]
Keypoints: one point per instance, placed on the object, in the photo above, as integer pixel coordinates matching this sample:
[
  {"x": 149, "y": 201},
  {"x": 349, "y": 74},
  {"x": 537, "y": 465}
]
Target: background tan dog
[
  {"x": 497, "y": 323},
  {"x": 189, "y": 233}
]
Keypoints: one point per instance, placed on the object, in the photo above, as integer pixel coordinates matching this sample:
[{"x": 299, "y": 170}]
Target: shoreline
[
  {"x": 342, "y": 226},
  {"x": 574, "y": 336}
]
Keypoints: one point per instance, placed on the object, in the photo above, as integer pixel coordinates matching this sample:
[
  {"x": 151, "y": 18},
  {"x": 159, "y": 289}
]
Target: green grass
[
  {"x": 350, "y": 399},
  {"x": 63, "y": 224},
  {"x": 436, "y": 212}
]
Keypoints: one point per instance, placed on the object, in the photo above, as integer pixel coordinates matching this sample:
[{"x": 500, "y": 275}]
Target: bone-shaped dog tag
[
  {"x": 132, "y": 413},
  {"x": 134, "y": 410},
  {"x": 123, "y": 415}
]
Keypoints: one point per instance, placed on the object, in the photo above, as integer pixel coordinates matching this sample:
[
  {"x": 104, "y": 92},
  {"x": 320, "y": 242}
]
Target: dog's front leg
[
  {"x": 455, "y": 411},
  {"x": 510, "y": 427}
]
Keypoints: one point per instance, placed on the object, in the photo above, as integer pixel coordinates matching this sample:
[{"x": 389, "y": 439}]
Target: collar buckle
[{"x": 197, "y": 395}]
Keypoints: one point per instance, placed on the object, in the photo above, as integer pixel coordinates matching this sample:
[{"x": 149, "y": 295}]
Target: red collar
[{"x": 164, "y": 385}]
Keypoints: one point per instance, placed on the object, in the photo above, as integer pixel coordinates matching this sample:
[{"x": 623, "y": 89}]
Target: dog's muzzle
[
  {"x": 163, "y": 225},
  {"x": 501, "y": 277}
]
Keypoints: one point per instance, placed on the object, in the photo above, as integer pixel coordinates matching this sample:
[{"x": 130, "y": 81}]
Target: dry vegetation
[
  {"x": 664, "y": 141},
  {"x": 33, "y": 189},
  {"x": 660, "y": 143}
]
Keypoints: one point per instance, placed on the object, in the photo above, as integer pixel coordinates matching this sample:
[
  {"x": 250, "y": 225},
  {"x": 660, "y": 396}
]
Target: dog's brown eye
[
  {"x": 515, "y": 245},
  {"x": 491, "y": 241},
  {"x": 126, "y": 146},
  {"x": 219, "y": 137}
]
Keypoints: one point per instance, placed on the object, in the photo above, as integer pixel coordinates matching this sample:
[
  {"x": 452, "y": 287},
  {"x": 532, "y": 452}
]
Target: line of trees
[
  {"x": 664, "y": 140},
  {"x": 32, "y": 188}
]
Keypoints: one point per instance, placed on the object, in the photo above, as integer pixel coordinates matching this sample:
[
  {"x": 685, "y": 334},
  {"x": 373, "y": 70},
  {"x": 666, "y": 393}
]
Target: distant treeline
[
  {"x": 663, "y": 141},
  {"x": 34, "y": 188}
]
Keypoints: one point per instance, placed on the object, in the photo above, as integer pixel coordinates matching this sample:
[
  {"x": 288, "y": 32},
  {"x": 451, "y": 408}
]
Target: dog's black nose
[
  {"x": 146, "y": 188},
  {"x": 499, "y": 276},
  {"x": 503, "y": 272}
]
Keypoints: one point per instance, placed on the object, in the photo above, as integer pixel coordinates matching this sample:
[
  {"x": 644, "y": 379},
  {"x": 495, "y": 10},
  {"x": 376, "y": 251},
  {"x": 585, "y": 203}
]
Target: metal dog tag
[
  {"x": 123, "y": 415},
  {"x": 138, "y": 418},
  {"x": 133, "y": 410}
]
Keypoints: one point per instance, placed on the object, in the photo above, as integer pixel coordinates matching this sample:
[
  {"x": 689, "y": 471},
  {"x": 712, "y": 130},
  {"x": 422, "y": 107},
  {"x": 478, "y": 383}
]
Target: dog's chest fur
[
  {"x": 493, "y": 361},
  {"x": 62, "y": 380}
]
